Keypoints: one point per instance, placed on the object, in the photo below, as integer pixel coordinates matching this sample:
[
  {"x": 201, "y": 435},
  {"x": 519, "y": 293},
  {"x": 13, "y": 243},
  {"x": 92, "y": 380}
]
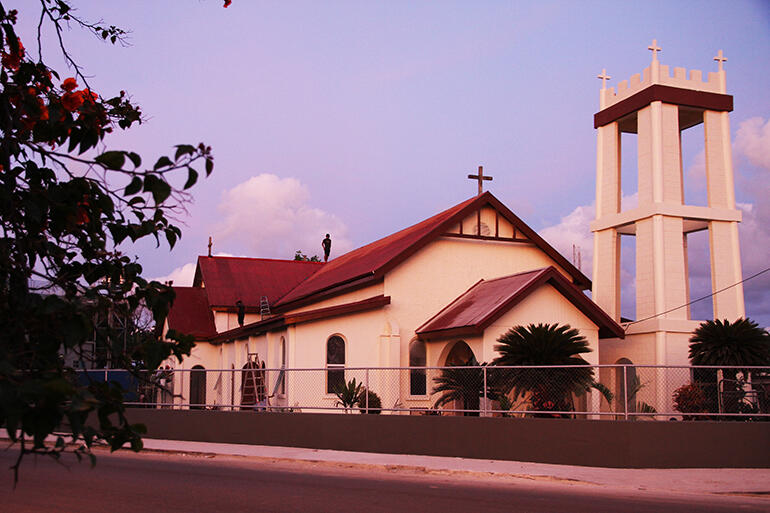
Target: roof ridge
[
  {"x": 262, "y": 259},
  {"x": 340, "y": 261},
  {"x": 533, "y": 271}
]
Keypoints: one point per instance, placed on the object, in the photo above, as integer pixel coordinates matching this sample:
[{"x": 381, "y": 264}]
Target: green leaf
[
  {"x": 162, "y": 162},
  {"x": 160, "y": 191},
  {"x": 183, "y": 149},
  {"x": 192, "y": 177},
  {"x": 135, "y": 159},
  {"x": 134, "y": 187},
  {"x": 112, "y": 159},
  {"x": 171, "y": 238},
  {"x": 209, "y": 165}
]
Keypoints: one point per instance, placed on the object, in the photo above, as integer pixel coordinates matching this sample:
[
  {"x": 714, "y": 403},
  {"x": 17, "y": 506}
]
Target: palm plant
[
  {"x": 549, "y": 389},
  {"x": 733, "y": 345},
  {"x": 348, "y": 394},
  {"x": 742, "y": 343},
  {"x": 463, "y": 383}
]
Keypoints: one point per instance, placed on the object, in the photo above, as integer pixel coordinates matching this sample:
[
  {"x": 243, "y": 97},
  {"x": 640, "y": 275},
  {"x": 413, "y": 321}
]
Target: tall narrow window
[
  {"x": 417, "y": 378},
  {"x": 197, "y": 387},
  {"x": 282, "y": 375},
  {"x": 335, "y": 364}
]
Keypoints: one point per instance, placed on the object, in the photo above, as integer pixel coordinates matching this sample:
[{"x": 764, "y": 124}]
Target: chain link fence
[{"x": 597, "y": 391}]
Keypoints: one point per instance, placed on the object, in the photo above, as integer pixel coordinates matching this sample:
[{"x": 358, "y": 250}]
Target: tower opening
[
  {"x": 699, "y": 274},
  {"x": 694, "y": 164},
  {"x": 629, "y": 167}
]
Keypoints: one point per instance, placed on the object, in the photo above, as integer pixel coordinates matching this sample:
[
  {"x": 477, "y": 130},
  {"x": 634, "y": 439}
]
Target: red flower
[
  {"x": 82, "y": 217},
  {"x": 13, "y": 60},
  {"x": 89, "y": 96},
  {"x": 69, "y": 84},
  {"x": 72, "y": 101},
  {"x": 227, "y": 3},
  {"x": 43, "y": 109}
]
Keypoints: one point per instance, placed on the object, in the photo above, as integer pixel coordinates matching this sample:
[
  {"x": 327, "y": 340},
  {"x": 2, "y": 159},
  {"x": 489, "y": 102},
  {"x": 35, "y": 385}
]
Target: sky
[{"x": 360, "y": 118}]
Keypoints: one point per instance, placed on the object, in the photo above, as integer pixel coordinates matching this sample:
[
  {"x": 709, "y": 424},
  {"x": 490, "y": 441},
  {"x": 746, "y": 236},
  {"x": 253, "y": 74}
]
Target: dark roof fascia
[
  {"x": 281, "y": 321},
  {"x": 460, "y": 331},
  {"x": 262, "y": 326},
  {"x": 578, "y": 277},
  {"x": 666, "y": 94},
  {"x": 333, "y": 311}
]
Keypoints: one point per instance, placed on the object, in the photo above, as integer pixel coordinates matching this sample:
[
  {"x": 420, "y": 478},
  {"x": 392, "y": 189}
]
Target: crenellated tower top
[{"x": 657, "y": 73}]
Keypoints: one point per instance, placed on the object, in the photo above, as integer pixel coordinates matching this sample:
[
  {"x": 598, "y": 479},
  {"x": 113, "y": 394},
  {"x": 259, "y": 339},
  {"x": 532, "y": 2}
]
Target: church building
[{"x": 441, "y": 292}]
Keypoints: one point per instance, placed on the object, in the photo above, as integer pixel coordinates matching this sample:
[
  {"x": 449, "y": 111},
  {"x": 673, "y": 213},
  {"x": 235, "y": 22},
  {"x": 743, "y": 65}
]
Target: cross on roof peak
[
  {"x": 655, "y": 49},
  {"x": 721, "y": 59},
  {"x": 604, "y": 78},
  {"x": 480, "y": 177}
]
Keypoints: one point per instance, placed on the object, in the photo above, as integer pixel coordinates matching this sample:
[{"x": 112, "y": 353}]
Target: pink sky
[{"x": 361, "y": 118}]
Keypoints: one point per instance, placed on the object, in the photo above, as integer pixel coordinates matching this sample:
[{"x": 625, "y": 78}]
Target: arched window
[
  {"x": 417, "y": 379},
  {"x": 197, "y": 387},
  {"x": 335, "y": 363},
  {"x": 626, "y": 389}
]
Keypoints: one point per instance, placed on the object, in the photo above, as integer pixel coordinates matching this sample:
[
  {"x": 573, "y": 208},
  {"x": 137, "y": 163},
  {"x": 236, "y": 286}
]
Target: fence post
[
  {"x": 484, "y": 369},
  {"x": 366, "y": 401},
  {"x": 625, "y": 391}
]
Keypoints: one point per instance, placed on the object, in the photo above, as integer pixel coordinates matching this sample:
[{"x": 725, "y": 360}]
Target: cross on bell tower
[{"x": 480, "y": 177}]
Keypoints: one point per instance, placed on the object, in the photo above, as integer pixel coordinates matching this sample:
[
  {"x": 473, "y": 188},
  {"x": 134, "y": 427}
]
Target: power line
[{"x": 699, "y": 299}]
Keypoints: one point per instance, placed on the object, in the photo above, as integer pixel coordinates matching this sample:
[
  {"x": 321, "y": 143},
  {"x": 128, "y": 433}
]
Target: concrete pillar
[
  {"x": 608, "y": 170},
  {"x": 606, "y": 276},
  {"x": 606, "y": 283},
  {"x": 726, "y": 270},
  {"x": 659, "y": 155},
  {"x": 719, "y": 165}
]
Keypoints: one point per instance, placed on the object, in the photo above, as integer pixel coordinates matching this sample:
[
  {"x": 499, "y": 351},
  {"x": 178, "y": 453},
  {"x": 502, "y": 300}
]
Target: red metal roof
[
  {"x": 369, "y": 259},
  {"x": 190, "y": 314},
  {"x": 487, "y": 300},
  {"x": 228, "y": 279},
  {"x": 374, "y": 259}
]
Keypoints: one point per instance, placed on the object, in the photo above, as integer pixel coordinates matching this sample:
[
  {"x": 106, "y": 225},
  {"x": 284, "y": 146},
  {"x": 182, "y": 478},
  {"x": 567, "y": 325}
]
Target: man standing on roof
[
  {"x": 241, "y": 312},
  {"x": 327, "y": 245}
]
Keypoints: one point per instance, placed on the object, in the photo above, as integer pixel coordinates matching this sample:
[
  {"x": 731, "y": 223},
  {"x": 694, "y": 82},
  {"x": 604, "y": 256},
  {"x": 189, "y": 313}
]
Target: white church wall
[
  {"x": 444, "y": 269},
  {"x": 361, "y": 333},
  {"x": 545, "y": 305}
]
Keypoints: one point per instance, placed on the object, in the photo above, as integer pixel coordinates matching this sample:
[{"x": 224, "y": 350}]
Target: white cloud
[
  {"x": 268, "y": 216},
  {"x": 753, "y": 141},
  {"x": 573, "y": 229},
  {"x": 181, "y": 276}
]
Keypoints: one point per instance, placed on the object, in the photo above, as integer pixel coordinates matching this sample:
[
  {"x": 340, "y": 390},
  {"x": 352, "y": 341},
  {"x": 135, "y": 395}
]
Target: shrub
[
  {"x": 690, "y": 399},
  {"x": 375, "y": 403}
]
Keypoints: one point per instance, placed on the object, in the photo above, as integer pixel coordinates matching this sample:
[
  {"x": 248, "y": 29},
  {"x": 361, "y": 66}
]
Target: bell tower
[{"x": 657, "y": 107}]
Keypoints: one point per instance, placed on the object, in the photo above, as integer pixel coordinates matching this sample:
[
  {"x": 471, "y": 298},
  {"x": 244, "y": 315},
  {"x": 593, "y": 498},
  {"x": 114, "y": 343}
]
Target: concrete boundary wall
[{"x": 597, "y": 443}]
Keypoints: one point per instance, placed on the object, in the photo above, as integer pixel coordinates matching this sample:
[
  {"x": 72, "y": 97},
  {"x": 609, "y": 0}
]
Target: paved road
[{"x": 162, "y": 482}]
